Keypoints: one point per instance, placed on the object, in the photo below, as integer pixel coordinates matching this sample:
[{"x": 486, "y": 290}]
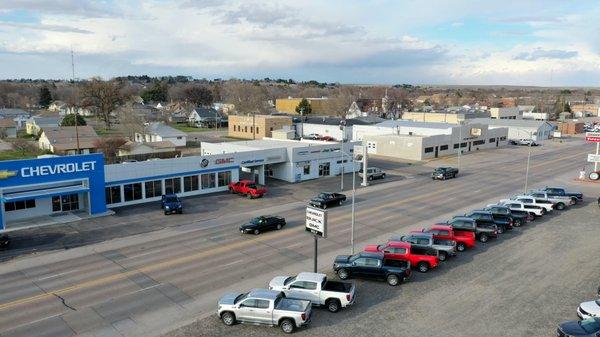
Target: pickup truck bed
[{"x": 342, "y": 287}]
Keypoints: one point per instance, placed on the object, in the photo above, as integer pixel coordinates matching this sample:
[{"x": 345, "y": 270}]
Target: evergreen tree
[
  {"x": 45, "y": 97},
  {"x": 304, "y": 107},
  {"x": 69, "y": 120}
]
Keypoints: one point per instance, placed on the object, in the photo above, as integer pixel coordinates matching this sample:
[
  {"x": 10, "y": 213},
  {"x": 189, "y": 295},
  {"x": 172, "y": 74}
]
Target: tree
[
  {"x": 45, "y": 97},
  {"x": 130, "y": 122},
  {"x": 198, "y": 95},
  {"x": 102, "y": 97},
  {"x": 567, "y": 107},
  {"x": 24, "y": 147},
  {"x": 304, "y": 107},
  {"x": 109, "y": 146},
  {"x": 247, "y": 97},
  {"x": 70, "y": 119},
  {"x": 158, "y": 93}
]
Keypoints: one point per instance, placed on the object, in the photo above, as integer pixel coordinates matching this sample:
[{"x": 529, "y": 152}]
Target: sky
[{"x": 456, "y": 42}]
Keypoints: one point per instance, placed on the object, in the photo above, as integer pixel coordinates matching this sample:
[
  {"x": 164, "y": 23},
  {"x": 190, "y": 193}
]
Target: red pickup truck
[
  {"x": 248, "y": 188},
  {"x": 420, "y": 257},
  {"x": 463, "y": 239}
]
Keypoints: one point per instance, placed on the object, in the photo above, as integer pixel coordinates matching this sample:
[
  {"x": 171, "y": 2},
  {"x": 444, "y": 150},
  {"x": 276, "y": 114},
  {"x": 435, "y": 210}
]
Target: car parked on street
[
  {"x": 316, "y": 288},
  {"x": 264, "y": 307},
  {"x": 327, "y": 199},
  {"x": 585, "y": 328},
  {"x": 170, "y": 203},
  {"x": 262, "y": 223},
  {"x": 486, "y": 217},
  {"x": 445, "y": 248},
  {"x": 4, "y": 241},
  {"x": 527, "y": 142},
  {"x": 559, "y": 191},
  {"x": 443, "y": 173},
  {"x": 483, "y": 231},
  {"x": 419, "y": 257},
  {"x": 463, "y": 239},
  {"x": 370, "y": 265},
  {"x": 515, "y": 205},
  {"x": 373, "y": 173},
  {"x": 502, "y": 212},
  {"x": 589, "y": 309},
  {"x": 248, "y": 188}
]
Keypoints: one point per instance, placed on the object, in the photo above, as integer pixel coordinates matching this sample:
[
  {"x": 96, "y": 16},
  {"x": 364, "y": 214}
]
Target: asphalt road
[{"x": 155, "y": 281}]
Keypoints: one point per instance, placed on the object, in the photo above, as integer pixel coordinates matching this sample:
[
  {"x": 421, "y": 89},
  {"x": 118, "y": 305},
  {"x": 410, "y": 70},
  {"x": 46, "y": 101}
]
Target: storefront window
[
  {"x": 153, "y": 188},
  {"x": 113, "y": 194},
  {"x": 19, "y": 205},
  {"x": 132, "y": 191},
  {"x": 323, "y": 169},
  {"x": 65, "y": 203},
  {"x": 172, "y": 185},
  {"x": 306, "y": 169},
  {"x": 224, "y": 178},
  {"x": 208, "y": 180},
  {"x": 190, "y": 183}
]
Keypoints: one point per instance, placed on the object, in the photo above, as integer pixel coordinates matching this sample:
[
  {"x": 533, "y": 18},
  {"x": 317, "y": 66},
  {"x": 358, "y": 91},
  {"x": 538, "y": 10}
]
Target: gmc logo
[{"x": 220, "y": 161}]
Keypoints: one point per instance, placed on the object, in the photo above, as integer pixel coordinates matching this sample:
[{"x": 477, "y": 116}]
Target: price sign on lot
[
  {"x": 594, "y": 158},
  {"x": 316, "y": 221},
  {"x": 592, "y": 137}
]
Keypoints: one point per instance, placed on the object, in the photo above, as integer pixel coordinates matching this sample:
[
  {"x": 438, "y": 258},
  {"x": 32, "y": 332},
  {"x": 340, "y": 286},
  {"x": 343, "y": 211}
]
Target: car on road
[
  {"x": 463, "y": 239},
  {"x": 327, "y": 199},
  {"x": 373, "y": 173},
  {"x": 248, "y": 188},
  {"x": 585, "y": 328},
  {"x": 4, "y": 241},
  {"x": 443, "y": 173},
  {"x": 313, "y": 136},
  {"x": 559, "y": 191},
  {"x": 264, "y": 307},
  {"x": 561, "y": 202},
  {"x": 515, "y": 205},
  {"x": 483, "y": 231},
  {"x": 486, "y": 217},
  {"x": 263, "y": 223},
  {"x": 370, "y": 265},
  {"x": 170, "y": 203},
  {"x": 316, "y": 288},
  {"x": 548, "y": 206},
  {"x": 327, "y": 138},
  {"x": 445, "y": 248},
  {"x": 527, "y": 142},
  {"x": 589, "y": 309},
  {"x": 518, "y": 217},
  {"x": 420, "y": 257}
]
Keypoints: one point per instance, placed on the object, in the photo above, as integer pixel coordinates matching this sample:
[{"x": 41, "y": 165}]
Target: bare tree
[
  {"x": 109, "y": 146},
  {"x": 130, "y": 122},
  {"x": 199, "y": 95},
  {"x": 102, "y": 97},
  {"x": 339, "y": 102},
  {"x": 24, "y": 147},
  {"x": 247, "y": 97}
]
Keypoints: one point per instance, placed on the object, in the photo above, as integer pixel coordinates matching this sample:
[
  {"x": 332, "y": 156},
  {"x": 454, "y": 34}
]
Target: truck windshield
[
  {"x": 240, "y": 298},
  {"x": 171, "y": 199},
  {"x": 289, "y": 280}
]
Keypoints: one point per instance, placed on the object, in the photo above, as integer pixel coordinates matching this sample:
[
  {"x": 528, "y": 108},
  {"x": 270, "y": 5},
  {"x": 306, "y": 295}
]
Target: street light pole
[
  {"x": 527, "y": 171},
  {"x": 353, "y": 192}
]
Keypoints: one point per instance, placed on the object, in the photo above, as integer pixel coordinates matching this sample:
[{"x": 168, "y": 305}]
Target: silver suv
[{"x": 373, "y": 173}]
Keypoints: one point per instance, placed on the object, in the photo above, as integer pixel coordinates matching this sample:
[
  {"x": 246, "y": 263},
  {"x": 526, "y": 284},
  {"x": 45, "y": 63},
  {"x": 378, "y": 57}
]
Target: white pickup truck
[
  {"x": 316, "y": 288},
  {"x": 561, "y": 201},
  {"x": 521, "y": 206},
  {"x": 547, "y": 205}
]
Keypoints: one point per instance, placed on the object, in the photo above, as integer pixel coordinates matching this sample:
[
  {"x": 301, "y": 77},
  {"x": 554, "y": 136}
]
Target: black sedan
[
  {"x": 586, "y": 328},
  {"x": 4, "y": 241},
  {"x": 262, "y": 223},
  {"x": 327, "y": 199}
]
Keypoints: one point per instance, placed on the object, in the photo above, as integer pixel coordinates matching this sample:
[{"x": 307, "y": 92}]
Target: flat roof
[
  {"x": 407, "y": 123},
  {"x": 509, "y": 122},
  {"x": 270, "y": 143}
]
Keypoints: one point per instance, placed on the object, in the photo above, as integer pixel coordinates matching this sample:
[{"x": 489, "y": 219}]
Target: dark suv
[
  {"x": 170, "y": 203},
  {"x": 502, "y": 212},
  {"x": 483, "y": 231},
  {"x": 502, "y": 222}
]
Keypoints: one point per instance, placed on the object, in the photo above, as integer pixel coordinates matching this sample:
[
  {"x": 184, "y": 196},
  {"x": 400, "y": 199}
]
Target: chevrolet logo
[{"x": 4, "y": 174}]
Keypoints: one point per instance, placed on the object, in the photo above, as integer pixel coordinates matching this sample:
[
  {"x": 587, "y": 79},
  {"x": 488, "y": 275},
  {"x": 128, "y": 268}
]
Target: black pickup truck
[
  {"x": 561, "y": 192},
  {"x": 483, "y": 231},
  {"x": 518, "y": 217},
  {"x": 443, "y": 173},
  {"x": 372, "y": 265},
  {"x": 503, "y": 223},
  {"x": 327, "y": 199}
]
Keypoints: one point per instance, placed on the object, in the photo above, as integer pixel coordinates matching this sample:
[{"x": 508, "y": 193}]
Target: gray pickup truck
[
  {"x": 445, "y": 248},
  {"x": 264, "y": 307}
]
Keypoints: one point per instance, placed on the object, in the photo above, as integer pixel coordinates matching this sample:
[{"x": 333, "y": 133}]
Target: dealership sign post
[
  {"x": 595, "y": 138},
  {"x": 316, "y": 223}
]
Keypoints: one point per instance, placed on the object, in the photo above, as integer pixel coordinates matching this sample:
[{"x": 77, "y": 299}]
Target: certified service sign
[{"x": 316, "y": 221}]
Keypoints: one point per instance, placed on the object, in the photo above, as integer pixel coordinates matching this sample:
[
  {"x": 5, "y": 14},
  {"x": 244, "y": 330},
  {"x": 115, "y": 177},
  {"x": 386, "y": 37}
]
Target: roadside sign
[
  {"x": 592, "y": 137},
  {"x": 316, "y": 221},
  {"x": 594, "y": 158}
]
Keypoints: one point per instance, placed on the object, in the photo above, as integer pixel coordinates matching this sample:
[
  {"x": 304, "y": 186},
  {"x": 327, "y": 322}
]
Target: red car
[
  {"x": 248, "y": 188},
  {"x": 420, "y": 257},
  {"x": 327, "y": 138},
  {"x": 463, "y": 239}
]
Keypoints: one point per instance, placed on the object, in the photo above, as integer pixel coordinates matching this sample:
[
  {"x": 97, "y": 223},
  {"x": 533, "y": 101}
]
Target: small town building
[
  {"x": 157, "y": 131},
  {"x": 453, "y": 117},
  {"x": 35, "y": 124},
  {"x": 319, "y": 106},
  {"x": 202, "y": 117},
  {"x": 334, "y": 127},
  {"x": 505, "y": 113},
  {"x": 520, "y": 128},
  {"x": 20, "y": 116},
  {"x": 8, "y": 128},
  {"x": 585, "y": 109},
  {"x": 146, "y": 150},
  {"x": 68, "y": 140},
  {"x": 256, "y": 126}
]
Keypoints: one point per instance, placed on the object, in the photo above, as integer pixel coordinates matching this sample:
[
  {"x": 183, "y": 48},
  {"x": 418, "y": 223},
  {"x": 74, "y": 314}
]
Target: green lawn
[
  {"x": 108, "y": 132},
  {"x": 186, "y": 128},
  {"x": 13, "y": 154}
]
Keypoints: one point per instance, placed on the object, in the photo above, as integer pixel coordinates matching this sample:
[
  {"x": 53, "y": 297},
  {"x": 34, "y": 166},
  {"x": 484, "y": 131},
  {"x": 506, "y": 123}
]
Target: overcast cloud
[{"x": 378, "y": 41}]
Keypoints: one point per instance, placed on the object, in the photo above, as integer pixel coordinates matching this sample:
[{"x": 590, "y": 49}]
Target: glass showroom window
[
  {"x": 208, "y": 180},
  {"x": 190, "y": 183},
  {"x": 172, "y": 185},
  {"x": 153, "y": 188},
  {"x": 113, "y": 194},
  {"x": 19, "y": 205},
  {"x": 132, "y": 191},
  {"x": 224, "y": 178}
]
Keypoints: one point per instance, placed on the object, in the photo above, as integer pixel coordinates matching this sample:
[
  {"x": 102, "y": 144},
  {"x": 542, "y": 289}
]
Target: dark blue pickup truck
[
  {"x": 372, "y": 266},
  {"x": 171, "y": 203}
]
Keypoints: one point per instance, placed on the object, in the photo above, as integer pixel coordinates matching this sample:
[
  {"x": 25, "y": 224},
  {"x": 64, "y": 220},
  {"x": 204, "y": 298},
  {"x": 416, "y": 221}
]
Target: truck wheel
[
  {"x": 500, "y": 229},
  {"x": 460, "y": 247},
  {"x": 324, "y": 206},
  {"x": 517, "y": 223},
  {"x": 287, "y": 325},
  {"x": 278, "y": 226},
  {"x": 453, "y": 175},
  {"x": 575, "y": 200},
  {"x": 543, "y": 211},
  {"x": 443, "y": 256},
  {"x": 393, "y": 280},
  {"x": 249, "y": 196},
  {"x": 228, "y": 318},
  {"x": 231, "y": 191},
  {"x": 383, "y": 176},
  {"x": 340, "y": 202},
  {"x": 333, "y": 305},
  {"x": 484, "y": 238},
  {"x": 343, "y": 274},
  {"x": 423, "y": 267},
  {"x": 560, "y": 206},
  {"x": 256, "y": 232}
]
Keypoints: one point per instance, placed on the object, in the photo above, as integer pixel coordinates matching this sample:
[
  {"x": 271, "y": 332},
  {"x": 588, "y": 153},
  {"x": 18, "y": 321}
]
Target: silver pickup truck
[
  {"x": 264, "y": 307},
  {"x": 561, "y": 201},
  {"x": 316, "y": 288},
  {"x": 445, "y": 248}
]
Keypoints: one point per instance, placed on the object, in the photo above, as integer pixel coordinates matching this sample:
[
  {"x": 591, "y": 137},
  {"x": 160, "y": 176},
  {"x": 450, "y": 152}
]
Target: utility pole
[{"x": 74, "y": 104}]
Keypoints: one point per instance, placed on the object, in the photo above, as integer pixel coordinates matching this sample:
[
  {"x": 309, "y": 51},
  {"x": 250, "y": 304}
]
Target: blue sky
[{"x": 350, "y": 41}]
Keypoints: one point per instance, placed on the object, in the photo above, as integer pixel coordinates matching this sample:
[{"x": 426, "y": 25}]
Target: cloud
[
  {"x": 531, "y": 19},
  {"x": 538, "y": 54},
  {"x": 44, "y": 27},
  {"x": 62, "y": 7}
]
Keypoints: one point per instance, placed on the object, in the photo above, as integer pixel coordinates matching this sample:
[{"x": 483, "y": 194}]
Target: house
[
  {"x": 58, "y": 106},
  {"x": 505, "y": 113},
  {"x": 365, "y": 107},
  {"x": 134, "y": 149},
  {"x": 257, "y": 126},
  {"x": 66, "y": 140},
  {"x": 81, "y": 111},
  {"x": 8, "y": 128},
  {"x": 179, "y": 116},
  {"x": 156, "y": 132},
  {"x": 36, "y": 124},
  {"x": 206, "y": 117},
  {"x": 225, "y": 108},
  {"x": 585, "y": 109},
  {"x": 520, "y": 128},
  {"x": 18, "y": 115},
  {"x": 161, "y": 105}
]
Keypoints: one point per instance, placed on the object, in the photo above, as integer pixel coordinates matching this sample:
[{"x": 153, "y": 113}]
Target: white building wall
[{"x": 326, "y": 130}]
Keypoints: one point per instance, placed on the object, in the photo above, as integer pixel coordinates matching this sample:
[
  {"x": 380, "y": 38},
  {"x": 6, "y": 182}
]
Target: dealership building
[{"x": 52, "y": 186}]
